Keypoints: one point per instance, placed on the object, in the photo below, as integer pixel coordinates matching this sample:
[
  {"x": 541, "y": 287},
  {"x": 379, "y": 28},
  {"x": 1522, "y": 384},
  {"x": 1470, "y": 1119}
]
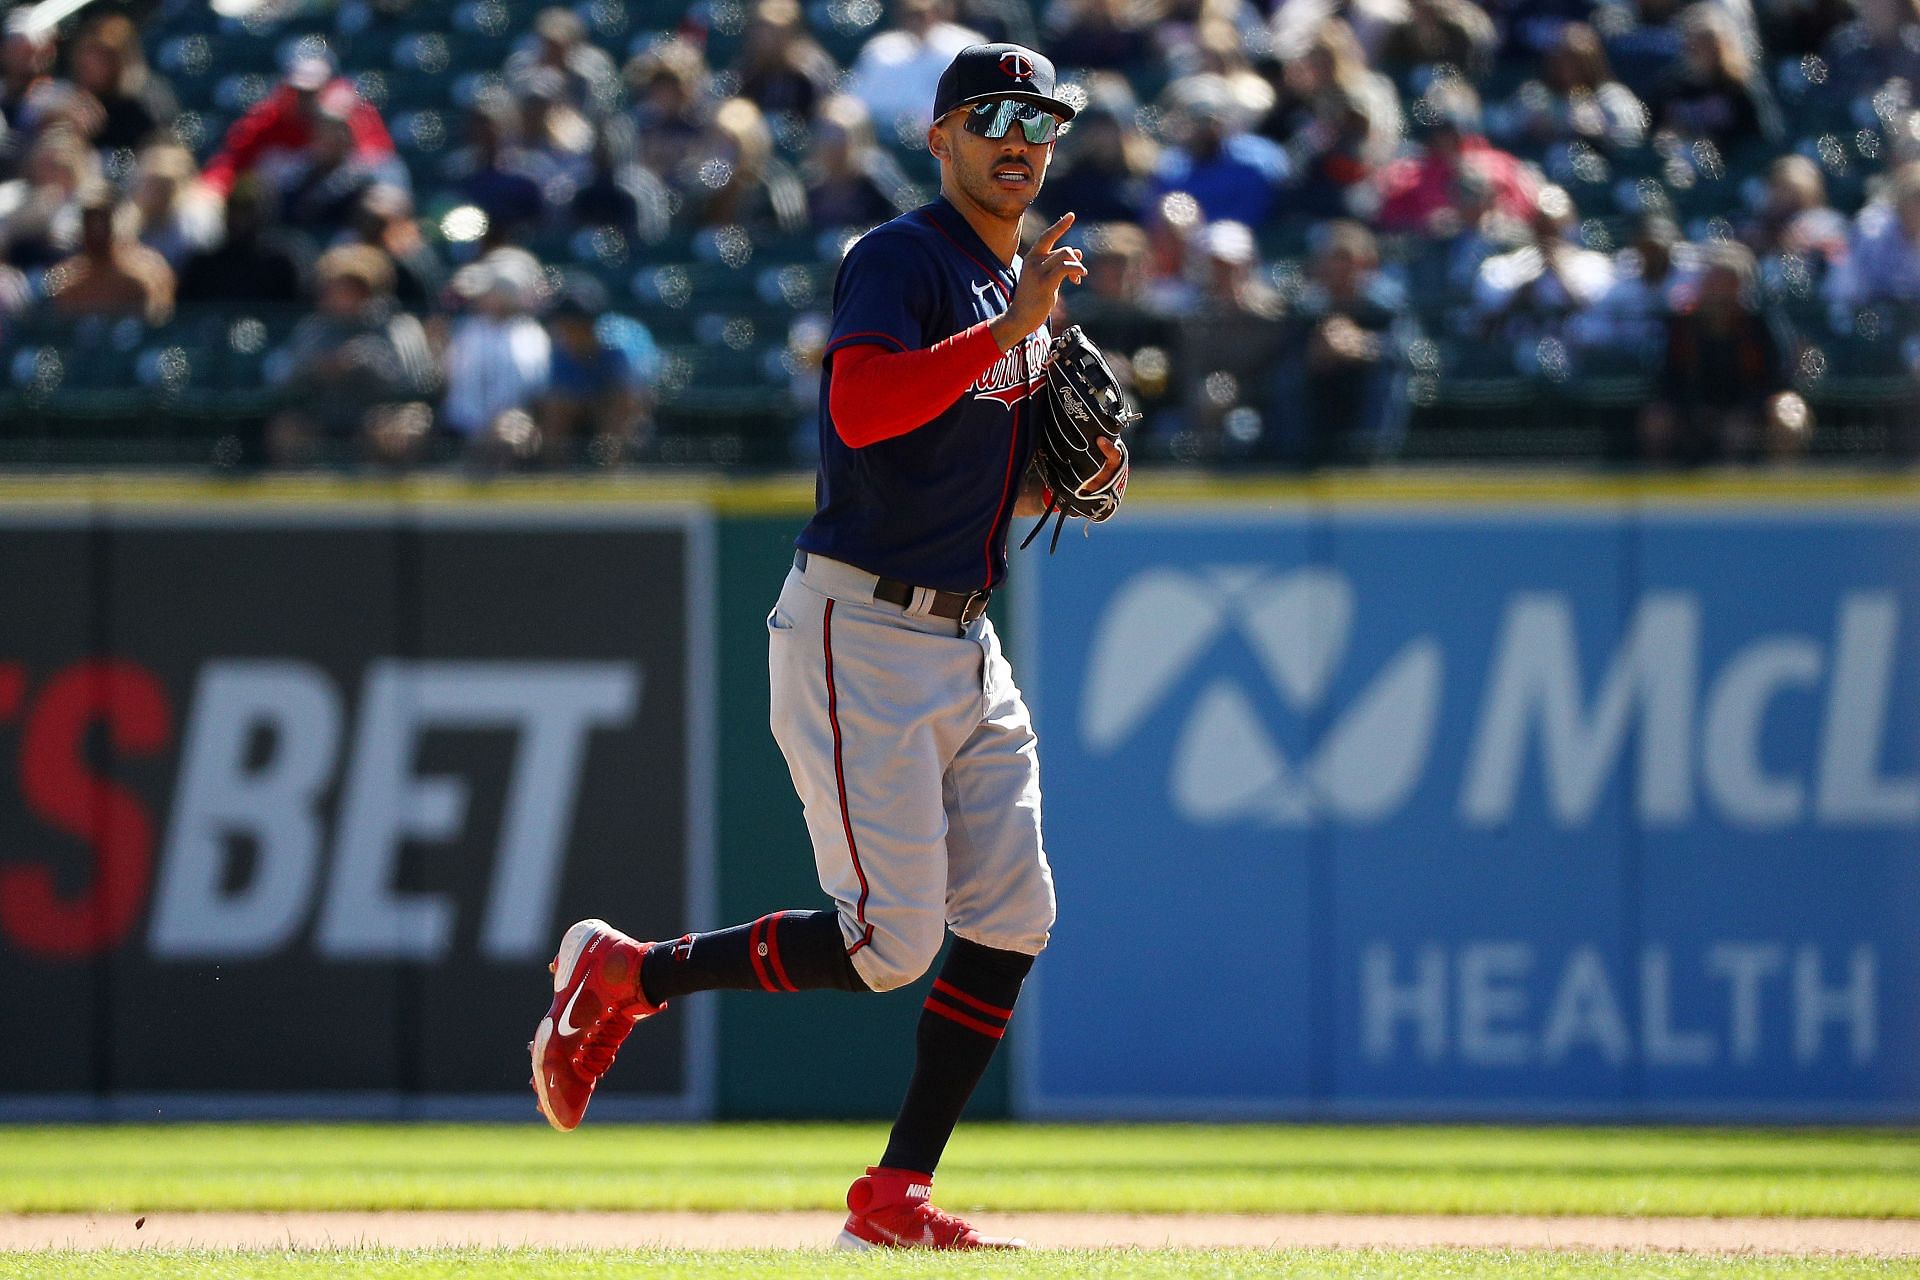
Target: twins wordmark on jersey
[{"x": 1017, "y": 373}]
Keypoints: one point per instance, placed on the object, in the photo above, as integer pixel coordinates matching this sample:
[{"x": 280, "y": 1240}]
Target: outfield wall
[
  {"x": 1610, "y": 808},
  {"x": 1386, "y": 796},
  {"x": 299, "y": 792},
  {"x": 300, "y": 780}
]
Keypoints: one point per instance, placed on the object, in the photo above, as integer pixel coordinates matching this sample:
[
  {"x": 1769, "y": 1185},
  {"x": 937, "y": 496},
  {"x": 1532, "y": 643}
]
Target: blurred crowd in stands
[{"x": 1316, "y": 228}]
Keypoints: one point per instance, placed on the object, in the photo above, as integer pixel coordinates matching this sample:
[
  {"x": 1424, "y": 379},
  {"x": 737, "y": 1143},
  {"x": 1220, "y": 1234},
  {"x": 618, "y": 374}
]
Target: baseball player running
[{"x": 909, "y": 744}]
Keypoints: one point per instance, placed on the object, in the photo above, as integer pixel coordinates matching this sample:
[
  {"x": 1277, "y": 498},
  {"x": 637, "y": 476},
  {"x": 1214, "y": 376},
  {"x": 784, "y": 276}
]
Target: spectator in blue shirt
[
  {"x": 1108, "y": 175},
  {"x": 851, "y": 181},
  {"x": 488, "y": 172},
  {"x": 600, "y": 387},
  {"x": 1643, "y": 40},
  {"x": 1235, "y": 176},
  {"x": 1341, "y": 386},
  {"x": 1883, "y": 264},
  {"x": 1881, "y": 44},
  {"x": 621, "y": 192}
]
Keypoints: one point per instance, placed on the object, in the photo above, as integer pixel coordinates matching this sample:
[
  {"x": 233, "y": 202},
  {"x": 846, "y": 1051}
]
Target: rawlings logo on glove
[{"x": 1078, "y": 454}]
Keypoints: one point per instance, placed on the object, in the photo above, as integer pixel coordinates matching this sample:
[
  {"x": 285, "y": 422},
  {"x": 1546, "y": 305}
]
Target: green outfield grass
[
  {"x": 476, "y": 1264},
  {"x": 1247, "y": 1169}
]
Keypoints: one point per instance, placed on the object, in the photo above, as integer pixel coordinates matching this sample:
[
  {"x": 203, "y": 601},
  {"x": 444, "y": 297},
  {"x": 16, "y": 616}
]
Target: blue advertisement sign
[{"x": 1362, "y": 811}]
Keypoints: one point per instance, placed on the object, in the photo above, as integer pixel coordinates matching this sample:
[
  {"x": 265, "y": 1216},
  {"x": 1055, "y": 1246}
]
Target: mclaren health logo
[
  {"x": 1817, "y": 725},
  {"x": 1226, "y": 766}
]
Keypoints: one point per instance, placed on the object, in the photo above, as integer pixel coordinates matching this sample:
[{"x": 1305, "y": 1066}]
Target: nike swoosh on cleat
[{"x": 566, "y": 1015}]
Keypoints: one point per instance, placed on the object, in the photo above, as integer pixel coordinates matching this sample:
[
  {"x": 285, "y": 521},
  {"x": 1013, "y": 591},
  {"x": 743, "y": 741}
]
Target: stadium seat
[
  {"x": 1862, "y": 386},
  {"x": 75, "y": 374},
  {"x": 723, "y": 299}
]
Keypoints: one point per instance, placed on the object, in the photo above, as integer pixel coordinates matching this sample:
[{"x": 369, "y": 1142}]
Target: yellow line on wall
[
  {"x": 792, "y": 493},
  {"x": 1410, "y": 487},
  {"x": 779, "y": 494}
]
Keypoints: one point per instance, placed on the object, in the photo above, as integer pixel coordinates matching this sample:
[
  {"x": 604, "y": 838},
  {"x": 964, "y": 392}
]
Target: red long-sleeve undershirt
[{"x": 874, "y": 394}]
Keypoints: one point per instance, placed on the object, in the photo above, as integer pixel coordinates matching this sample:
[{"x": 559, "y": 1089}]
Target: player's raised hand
[{"x": 1041, "y": 275}]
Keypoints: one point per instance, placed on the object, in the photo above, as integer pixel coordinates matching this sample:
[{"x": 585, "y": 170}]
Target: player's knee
[
  {"x": 1040, "y": 928},
  {"x": 1022, "y": 925},
  {"x": 899, "y": 952}
]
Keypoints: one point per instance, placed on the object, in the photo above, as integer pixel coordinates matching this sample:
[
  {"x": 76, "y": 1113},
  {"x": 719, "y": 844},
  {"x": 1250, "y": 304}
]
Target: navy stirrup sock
[
  {"x": 960, "y": 1026},
  {"x": 785, "y": 951}
]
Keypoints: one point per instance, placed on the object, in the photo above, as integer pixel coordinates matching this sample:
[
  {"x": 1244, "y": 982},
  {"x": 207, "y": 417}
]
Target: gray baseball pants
[{"x": 914, "y": 757}]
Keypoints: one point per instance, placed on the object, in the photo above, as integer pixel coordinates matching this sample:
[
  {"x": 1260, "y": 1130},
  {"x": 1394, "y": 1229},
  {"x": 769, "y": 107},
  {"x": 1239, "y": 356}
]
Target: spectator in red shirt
[
  {"x": 1419, "y": 193},
  {"x": 281, "y": 125}
]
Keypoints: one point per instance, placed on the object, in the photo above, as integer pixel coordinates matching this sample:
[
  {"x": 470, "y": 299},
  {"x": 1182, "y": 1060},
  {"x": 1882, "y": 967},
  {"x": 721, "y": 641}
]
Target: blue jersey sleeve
[{"x": 887, "y": 294}]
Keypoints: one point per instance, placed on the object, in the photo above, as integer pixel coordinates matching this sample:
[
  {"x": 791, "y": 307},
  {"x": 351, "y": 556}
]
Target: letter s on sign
[{"x": 62, "y": 791}]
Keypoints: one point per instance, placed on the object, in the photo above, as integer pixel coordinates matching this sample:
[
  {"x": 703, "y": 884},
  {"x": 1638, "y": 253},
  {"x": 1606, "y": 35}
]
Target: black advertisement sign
[{"x": 294, "y": 805}]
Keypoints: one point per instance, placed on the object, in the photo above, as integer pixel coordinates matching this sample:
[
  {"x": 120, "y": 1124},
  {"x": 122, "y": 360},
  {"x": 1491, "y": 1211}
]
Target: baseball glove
[{"x": 1081, "y": 404}]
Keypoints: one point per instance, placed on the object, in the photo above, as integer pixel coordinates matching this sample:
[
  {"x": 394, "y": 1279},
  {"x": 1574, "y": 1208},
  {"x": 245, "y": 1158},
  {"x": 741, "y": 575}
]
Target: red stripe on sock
[
  {"x": 968, "y": 1021},
  {"x": 754, "y": 943},
  {"x": 773, "y": 952},
  {"x": 947, "y": 988}
]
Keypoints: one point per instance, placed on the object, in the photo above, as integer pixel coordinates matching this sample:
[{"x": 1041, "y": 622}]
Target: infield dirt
[{"x": 1803, "y": 1236}]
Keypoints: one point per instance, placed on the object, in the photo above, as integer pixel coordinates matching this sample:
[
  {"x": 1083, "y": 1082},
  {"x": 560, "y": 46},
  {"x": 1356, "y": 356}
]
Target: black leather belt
[{"x": 961, "y": 606}]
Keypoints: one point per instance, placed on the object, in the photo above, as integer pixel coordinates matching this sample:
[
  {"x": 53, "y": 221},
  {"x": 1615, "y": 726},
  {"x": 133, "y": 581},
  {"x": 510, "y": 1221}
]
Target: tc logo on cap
[{"x": 1017, "y": 65}]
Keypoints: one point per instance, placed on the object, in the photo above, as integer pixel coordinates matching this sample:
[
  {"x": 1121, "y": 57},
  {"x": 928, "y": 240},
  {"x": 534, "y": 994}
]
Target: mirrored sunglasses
[{"x": 993, "y": 119}]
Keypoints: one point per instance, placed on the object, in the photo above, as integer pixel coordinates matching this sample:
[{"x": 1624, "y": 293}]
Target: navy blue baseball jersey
[{"x": 930, "y": 507}]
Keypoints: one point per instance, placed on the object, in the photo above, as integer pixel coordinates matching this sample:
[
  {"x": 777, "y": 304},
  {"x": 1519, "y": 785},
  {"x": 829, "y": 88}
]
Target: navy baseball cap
[{"x": 990, "y": 72}]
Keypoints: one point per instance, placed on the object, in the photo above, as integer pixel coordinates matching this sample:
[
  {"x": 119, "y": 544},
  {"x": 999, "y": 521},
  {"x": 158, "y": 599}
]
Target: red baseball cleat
[
  {"x": 596, "y": 1002},
  {"x": 892, "y": 1209}
]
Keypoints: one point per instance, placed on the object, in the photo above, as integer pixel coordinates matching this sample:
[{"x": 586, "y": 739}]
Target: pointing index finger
[{"x": 1044, "y": 245}]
